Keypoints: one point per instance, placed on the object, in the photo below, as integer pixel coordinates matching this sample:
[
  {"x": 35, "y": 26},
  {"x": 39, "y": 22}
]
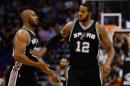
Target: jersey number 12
[{"x": 83, "y": 47}]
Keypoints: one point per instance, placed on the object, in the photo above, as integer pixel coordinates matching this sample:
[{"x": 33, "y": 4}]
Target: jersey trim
[
  {"x": 29, "y": 30},
  {"x": 86, "y": 27}
]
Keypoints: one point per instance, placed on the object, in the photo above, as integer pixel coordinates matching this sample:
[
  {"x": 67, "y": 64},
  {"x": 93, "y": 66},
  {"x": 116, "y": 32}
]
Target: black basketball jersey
[
  {"x": 84, "y": 45},
  {"x": 22, "y": 74},
  {"x": 34, "y": 44}
]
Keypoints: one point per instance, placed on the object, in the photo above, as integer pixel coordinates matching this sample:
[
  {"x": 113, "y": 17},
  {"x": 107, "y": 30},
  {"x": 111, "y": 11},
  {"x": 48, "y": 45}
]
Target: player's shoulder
[
  {"x": 100, "y": 28},
  {"x": 71, "y": 23},
  {"x": 22, "y": 33}
]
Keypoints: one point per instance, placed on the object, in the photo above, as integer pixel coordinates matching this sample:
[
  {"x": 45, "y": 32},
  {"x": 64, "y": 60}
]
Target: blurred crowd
[{"x": 53, "y": 15}]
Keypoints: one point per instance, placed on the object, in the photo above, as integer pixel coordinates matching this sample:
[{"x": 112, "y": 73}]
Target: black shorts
[
  {"x": 22, "y": 79},
  {"x": 89, "y": 77}
]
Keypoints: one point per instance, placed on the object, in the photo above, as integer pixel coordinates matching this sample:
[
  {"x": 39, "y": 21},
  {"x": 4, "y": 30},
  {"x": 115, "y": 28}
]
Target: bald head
[
  {"x": 28, "y": 16},
  {"x": 26, "y": 13}
]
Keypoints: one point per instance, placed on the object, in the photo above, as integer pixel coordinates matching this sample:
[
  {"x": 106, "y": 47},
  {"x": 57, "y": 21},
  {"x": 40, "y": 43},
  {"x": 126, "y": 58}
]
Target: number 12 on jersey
[{"x": 82, "y": 47}]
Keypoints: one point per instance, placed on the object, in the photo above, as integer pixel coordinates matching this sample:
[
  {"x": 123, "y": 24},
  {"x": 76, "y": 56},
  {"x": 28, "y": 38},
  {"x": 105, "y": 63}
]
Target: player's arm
[
  {"x": 62, "y": 35},
  {"x": 52, "y": 42},
  {"x": 67, "y": 29},
  {"x": 106, "y": 43},
  {"x": 20, "y": 42}
]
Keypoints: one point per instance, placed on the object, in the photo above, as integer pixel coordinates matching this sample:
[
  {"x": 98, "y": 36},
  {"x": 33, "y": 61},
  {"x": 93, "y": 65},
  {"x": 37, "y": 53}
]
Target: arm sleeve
[{"x": 52, "y": 42}]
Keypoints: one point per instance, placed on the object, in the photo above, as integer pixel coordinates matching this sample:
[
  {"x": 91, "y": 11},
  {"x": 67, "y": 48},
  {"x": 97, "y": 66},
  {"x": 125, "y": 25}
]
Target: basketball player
[
  {"x": 84, "y": 37},
  {"x": 23, "y": 73}
]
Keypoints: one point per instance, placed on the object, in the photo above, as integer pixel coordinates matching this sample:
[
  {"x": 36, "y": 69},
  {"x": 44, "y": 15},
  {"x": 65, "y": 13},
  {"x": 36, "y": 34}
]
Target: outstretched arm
[
  {"x": 52, "y": 42},
  {"x": 63, "y": 35}
]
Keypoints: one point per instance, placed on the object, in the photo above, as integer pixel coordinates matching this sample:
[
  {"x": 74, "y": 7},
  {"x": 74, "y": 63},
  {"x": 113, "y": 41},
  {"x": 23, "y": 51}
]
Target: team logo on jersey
[
  {"x": 84, "y": 35},
  {"x": 36, "y": 49},
  {"x": 34, "y": 41}
]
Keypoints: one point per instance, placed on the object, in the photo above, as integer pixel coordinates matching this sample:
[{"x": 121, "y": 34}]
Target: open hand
[{"x": 55, "y": 79}]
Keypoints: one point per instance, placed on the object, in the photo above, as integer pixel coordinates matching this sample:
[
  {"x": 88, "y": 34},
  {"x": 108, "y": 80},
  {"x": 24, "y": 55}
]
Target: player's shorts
[
  {"x": 22, "y": 79},
  {"x": 87, "y": 77}
]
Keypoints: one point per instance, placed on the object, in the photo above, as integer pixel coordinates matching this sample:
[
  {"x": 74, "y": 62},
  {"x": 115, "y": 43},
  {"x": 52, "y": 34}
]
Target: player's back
[{"x": 84, "y": 45}]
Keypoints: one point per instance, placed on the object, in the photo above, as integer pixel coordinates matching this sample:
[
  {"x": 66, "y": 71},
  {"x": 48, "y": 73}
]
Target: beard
[
  {"x": 85, "y": 19},
  {"x": 62, "y": 67},
  {"x": 33, "y": 25}
]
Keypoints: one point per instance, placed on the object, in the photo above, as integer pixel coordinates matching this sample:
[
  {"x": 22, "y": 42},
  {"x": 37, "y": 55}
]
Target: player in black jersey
[
  {"x": 84, "y": 36},
  {"x": 23, "y": 72}
]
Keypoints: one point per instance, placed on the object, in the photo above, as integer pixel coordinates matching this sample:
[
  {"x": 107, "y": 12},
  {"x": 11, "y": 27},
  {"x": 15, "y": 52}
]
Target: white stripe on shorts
[{"x": 14, "y": 74}]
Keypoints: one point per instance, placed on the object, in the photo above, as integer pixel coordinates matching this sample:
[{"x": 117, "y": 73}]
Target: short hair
[{"x": 88, "y": 5}]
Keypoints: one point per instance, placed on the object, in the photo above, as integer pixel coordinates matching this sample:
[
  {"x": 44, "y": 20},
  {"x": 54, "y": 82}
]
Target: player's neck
[
  {"x": 27, "y": 26},
  {"x": 87, "y": 22}
]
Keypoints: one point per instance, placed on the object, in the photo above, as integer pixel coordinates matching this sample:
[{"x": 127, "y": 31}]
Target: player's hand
[
  {"x": 42, "y": 65},
  {"x": 106, "y": 69},
  {"x": 40, "y": 53},
  {"x": 55, "y": 79}
]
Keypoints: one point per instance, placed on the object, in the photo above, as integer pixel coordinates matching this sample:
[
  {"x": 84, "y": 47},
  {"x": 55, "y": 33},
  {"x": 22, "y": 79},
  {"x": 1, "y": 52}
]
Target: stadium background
[{"x": 53, "y": 15}]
